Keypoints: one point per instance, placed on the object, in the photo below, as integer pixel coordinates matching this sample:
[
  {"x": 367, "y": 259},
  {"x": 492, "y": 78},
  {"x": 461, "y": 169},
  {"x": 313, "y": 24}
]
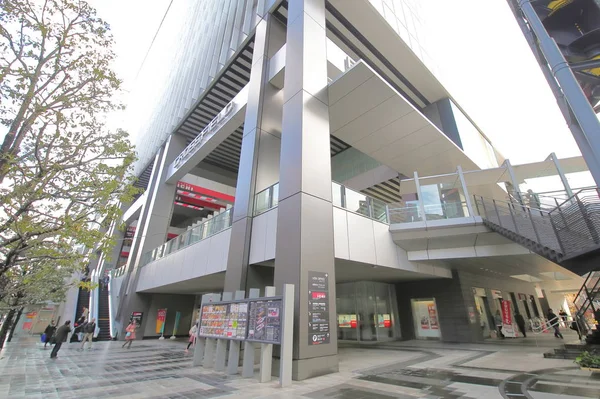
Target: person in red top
[{"x": 130, "y": 336}]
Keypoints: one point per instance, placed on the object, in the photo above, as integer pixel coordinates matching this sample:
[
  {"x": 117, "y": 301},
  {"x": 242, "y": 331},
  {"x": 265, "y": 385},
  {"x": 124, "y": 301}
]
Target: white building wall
[{"x": 200, "y": 259}]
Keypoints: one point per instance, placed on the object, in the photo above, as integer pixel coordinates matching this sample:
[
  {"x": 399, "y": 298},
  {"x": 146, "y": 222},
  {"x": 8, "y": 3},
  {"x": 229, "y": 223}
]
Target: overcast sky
[{"x": 483, "y": 58}]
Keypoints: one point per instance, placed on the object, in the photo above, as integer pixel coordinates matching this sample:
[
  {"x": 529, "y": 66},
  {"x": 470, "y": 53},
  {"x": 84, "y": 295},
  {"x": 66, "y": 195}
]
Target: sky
[{"x": 484, "y": 60}]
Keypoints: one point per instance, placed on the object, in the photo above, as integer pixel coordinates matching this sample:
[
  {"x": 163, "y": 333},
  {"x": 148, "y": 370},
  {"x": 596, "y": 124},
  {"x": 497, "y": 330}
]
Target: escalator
[
  {"x": 83, "y": 301},
  {"x": 103, "y": 314}
]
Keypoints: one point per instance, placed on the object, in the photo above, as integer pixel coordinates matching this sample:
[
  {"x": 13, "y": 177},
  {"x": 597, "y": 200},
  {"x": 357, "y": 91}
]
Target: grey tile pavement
[{"x": 161, "y": 369}]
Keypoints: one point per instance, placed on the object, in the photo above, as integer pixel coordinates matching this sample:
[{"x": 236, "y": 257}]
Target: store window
[
  {"x": 426, "y": 319},
  {"x": 366, "y": 312}
]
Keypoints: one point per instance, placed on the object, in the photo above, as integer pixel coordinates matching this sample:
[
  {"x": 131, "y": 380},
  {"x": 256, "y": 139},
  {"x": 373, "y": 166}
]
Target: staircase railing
[
  {"x": 577, "y": 222},
  {"x": 570, "y": 229},
  {"x": 532, "y": 228},
  {"x": 587, "y": 300}
]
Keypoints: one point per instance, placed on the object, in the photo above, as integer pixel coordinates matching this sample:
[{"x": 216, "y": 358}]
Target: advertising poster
[
  {"x": 264, "y": 321},
  {"x": 426, "y": 318},
  {"x": 318, "y": 308},
  {"x": 160, "y": 321},
  {"x": 433, "y": 319},
  {"x": 214, "y": 321},
  {"x": 136, "y": 317},
  {"x": 177, "y": 320},
  {"x": 347, "y": 321},
  {"x": 508, "y": 329},
  {"x": 384, "y": 320},
  {"x": 237, "y": 320}
]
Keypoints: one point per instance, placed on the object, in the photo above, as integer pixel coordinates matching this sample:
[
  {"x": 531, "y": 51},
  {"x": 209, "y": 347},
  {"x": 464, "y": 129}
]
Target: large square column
[
  {"x": 151, "y": 231},
  {"x": 259, "y": 159},
  {"x": 305, "y": 246}
]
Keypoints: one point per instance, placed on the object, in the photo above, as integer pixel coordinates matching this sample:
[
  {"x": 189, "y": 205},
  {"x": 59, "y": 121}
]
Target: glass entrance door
[{"x": 366, "y": 312}]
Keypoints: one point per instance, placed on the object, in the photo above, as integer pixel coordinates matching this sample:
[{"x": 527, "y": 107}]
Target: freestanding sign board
[
  {"x": 318, "y": 308},
  {"x": 266, "y": 321},
  {"x": 137, "y": 317},
  {"x": 264, "y": 324},
  {"x": 257, "y": 320}
]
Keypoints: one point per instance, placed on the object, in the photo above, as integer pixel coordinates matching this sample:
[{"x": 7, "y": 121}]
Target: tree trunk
[
  {"x": 14, "y": 325},
  {"x": 5, "y": 325}
]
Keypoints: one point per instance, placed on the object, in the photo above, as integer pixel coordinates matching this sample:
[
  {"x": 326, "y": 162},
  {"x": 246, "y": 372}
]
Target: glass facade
[{"x": 367, "y": 312}]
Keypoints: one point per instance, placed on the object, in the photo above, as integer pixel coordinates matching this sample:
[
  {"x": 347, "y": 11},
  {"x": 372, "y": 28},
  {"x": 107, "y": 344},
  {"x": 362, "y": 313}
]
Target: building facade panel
[{"x": 332, "y": 90}]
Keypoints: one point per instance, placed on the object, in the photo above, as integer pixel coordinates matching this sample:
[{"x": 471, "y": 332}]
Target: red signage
[
  {"x": 318, "y": 295},
  {"x": 433, "y": 316},
  {"x": 506, "y": 313},
  {"x": 201, "y": 190}
]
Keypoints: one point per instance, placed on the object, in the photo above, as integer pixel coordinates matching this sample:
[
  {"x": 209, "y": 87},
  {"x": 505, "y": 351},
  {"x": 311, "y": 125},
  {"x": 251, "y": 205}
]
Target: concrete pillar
[
  {"x": 305, "y": 217},
  {"x": 261, "y": 143},
  {"x": 151, "y": 231}
]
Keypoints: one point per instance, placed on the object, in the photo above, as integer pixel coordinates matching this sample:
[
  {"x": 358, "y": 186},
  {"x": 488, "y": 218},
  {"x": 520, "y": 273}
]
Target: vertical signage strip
[{"x": 318, "y": 308}]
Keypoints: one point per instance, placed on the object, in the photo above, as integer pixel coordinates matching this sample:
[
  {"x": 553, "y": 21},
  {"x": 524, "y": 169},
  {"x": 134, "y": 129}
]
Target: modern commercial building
[{"x": 290, "y": 137}]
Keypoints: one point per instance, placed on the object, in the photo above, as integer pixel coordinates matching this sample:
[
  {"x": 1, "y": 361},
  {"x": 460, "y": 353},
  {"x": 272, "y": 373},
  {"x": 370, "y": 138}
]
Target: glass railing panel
[
  {"x": 379, "y": 210},
  {"x": 275, "y": 196},
  {"x": 449, "y": 210},
  {"x": 405, "y": 214},
  {"x": 196, "y": 234},
  {"x": 357, "y": 202},
  {"x": 337, "y": 194},
  {"x": 261, "y": 203},
  {"x": 266, "y": 199}
]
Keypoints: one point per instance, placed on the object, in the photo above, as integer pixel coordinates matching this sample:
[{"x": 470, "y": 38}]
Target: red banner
[
  {"x": 506, "y": 313},
  {"x": 160, "y": 320}
]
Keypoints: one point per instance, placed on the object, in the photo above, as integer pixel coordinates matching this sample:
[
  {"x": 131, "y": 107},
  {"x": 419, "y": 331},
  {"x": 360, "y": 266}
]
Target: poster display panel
[
  {"x": 237, "y": 320},
  {"x": 264, "y": 321},
  {"x": 214, "y": 321},
  {"x": 426, "y": 318}
]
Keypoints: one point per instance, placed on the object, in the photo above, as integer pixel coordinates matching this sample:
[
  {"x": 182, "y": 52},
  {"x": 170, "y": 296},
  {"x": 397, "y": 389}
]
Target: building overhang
[
  {"x": 216, "y": 132},
  {"x": 371, "y": 116},
  {"x": 364, "y": 20}
]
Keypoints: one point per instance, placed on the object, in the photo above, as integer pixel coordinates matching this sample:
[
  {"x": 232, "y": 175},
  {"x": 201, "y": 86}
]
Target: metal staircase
[
  {"x": 587, "y": 303},
  {"x": 568, "y": 234}
]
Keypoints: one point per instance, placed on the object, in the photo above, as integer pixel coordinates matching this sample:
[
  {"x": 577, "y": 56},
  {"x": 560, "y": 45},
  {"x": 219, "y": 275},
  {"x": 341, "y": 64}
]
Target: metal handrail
[{"x": 570, "y": 199}]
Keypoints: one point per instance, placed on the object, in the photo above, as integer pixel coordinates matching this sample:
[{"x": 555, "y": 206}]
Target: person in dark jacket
[
  {"x": 521, "y": 324},
  {"x": 88, "y": 333},
  {"x": 554, "y": 322},
  {"x": 49, "y": 332},
  {"x": 60, "y": 337}
]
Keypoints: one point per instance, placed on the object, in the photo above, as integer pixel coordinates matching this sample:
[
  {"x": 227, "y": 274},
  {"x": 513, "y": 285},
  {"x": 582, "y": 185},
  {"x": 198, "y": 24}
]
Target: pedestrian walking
[
  {"x": 130, "y": 336},
  {"x": 192, "y": 333},
  {"x": 521, "y": 324},
  {"x": 88, "y": 333},
  {"x": 60, "y": 336},
  {"x": 49, "y": 333},
  {"x": 554, "y": 322},
  {"x": 498, "y": 320},
  {"x": 563, "y": 316}
]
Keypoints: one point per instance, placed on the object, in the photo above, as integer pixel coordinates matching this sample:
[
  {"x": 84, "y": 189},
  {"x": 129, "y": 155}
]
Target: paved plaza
[{"x": 399, "y": 370}]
